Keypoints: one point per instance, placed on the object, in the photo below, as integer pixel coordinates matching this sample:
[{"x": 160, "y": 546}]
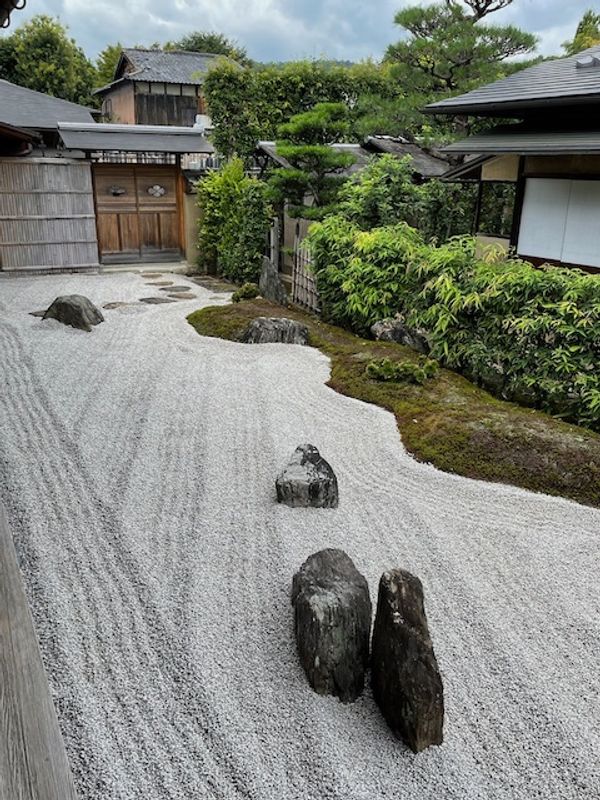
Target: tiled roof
[
  {"x": 25, "y": 108},
  {"x": 133, "y": 138},
  {"x": 519, "y": 139},
  {"x": 558, "y": 82},
  {"x": 424, "y": 163},
  {"x": 168, "y": 66}
]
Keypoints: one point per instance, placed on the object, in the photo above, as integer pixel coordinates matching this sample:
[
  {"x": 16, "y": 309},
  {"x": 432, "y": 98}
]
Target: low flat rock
[
  {"x": 41, "y": 313},
  {"x": 159, "y": 283},
  {"x": 406, "y": 681},
  {"x": 174, "y": 288},
  {"x": 308, "y": 481},
  {"x": 116, "y": 304},
  {"x": 270, "y": 330},
  {"x": 152, "y": 274},
  {"x": 394, "y": 329},
  {"x": 76, "y": 311},
  {"x": 155, "y": 301},
  {"x": 182, "y": 295},
  {"x": 332, "y": 620}
]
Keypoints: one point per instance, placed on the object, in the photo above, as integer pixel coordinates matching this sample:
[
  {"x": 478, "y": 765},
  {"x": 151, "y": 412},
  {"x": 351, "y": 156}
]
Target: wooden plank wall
[
  {"x": 47, "y": 217},
  {"x": 33, "y": 761}
]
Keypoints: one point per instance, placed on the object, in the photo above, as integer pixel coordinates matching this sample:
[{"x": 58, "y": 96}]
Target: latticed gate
[{"x": 304, "y": 285}]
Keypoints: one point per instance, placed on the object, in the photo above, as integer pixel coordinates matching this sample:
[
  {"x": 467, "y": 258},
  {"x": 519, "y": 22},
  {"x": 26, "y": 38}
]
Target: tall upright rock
[
  {"x": 406, "y": 681},
  {"x": 332, "y": 614}
]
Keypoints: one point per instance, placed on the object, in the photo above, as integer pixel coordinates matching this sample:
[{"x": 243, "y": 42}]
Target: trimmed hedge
[
  {"x": 526, "y": 334},
  {"x": 235, "y": 216}
]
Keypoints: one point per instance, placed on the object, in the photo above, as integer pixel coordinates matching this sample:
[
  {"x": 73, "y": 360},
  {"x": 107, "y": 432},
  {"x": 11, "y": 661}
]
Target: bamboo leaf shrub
[
  {"x": 234, "y": 220},
  {"x": 526, "y": 334}
]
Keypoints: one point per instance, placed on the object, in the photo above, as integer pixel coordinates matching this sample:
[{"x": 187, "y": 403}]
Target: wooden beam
[{"x": 33, "y": 760}]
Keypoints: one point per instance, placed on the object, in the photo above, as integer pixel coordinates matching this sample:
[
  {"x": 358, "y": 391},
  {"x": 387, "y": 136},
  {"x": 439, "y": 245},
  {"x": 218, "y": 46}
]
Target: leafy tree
[
  {"x": 315, "y": 167},
  {"x": 48, "y": 60},
  {"x": 211, "y": 42},
  {"x": 586, "y": 35},
  {"x": 106, "y": 63},
  {"x": 449, "y": 50},
  {"x": 8, "y": 59}
]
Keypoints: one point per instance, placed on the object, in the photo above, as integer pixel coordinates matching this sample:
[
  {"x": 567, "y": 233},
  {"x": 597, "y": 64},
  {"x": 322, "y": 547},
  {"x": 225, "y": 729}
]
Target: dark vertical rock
[
  {"x": 332, "y": 613},
  {"x": 75, "y": 310},
  {"x": 407, "y": 685},
  {"x": 307, "y": 480},
  {"x": 270, "y": 284}
]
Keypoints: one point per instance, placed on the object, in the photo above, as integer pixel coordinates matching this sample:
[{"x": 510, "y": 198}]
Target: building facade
[
  {"x": 549, "y": 153},
  {"x": 156, "y": 87}
]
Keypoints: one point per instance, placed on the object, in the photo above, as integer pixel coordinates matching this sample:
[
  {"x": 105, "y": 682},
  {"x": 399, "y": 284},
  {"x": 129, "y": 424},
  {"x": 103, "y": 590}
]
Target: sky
[{"x": 282, "y": 30}]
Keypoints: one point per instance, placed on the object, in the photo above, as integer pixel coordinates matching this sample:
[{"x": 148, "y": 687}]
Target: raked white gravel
[{"x": 137, "y": 463}]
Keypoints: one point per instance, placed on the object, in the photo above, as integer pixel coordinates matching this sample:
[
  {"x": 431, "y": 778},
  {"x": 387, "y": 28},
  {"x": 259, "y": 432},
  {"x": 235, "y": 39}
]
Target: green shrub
[
  {"x": 246, "y": 292},
  {"x": 532, "y": 335},
  {"x": 385, "y": 193},
  {"x": 234, "y": 220},
  {"x": 384, "y": 369}
]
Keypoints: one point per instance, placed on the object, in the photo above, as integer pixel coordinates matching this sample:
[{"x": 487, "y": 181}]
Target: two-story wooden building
[
  {"x": 157, "y": 87},
  {"x": 549, "y": 151}
]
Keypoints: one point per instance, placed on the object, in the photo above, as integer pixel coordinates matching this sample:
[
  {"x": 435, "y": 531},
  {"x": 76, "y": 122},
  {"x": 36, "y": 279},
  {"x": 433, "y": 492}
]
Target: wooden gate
[{"x": 138, "y": 210}]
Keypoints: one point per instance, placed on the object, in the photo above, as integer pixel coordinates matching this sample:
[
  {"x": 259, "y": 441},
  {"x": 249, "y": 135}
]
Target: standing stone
[
  {"x": 270, "y": 284},
  {"x": 75, "y": 310},
  {"x": 407, "y": 685},
  {"x": 264, "y": 330},
  {"x": 307, "y": 481},
  {"x": 332, "y": 615}
]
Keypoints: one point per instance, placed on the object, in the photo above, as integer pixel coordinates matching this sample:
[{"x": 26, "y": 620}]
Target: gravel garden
[{"x": 138, "y": 466}]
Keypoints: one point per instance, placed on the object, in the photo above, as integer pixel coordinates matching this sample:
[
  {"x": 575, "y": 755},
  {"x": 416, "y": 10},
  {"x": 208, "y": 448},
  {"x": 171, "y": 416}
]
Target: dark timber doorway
[{"x": 138, "y": 210}]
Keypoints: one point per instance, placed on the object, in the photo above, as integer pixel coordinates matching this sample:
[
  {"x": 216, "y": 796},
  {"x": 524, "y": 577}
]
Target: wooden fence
[
  {"x": 47, "y": 218},
  {"x": 304, "y": 285}
]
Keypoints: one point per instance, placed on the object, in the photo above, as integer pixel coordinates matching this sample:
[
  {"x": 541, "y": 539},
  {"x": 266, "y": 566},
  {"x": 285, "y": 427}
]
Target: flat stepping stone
[
  {"x": 160, "y": 283},
  {"x": 182, "y": 295},
  {"x": 110, "y": 306},
  {"x": 175, "y": 289},
  {"x": 37, "y": 313},
  {"x": 152, "y": 274},
  {"x": 154, "y": 301}
]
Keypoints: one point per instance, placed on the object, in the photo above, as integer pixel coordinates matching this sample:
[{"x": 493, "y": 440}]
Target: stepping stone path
[
  {"x": 160, "y": 283},
  {"x": 174, "y": 289},
  {"x": 110, "y": 306},
  {"x": 332, "y": 616},
  {"x": 154, "y": 301},
  {"x": 152, "y": 274},
  {"x": 182, "y": 295}
]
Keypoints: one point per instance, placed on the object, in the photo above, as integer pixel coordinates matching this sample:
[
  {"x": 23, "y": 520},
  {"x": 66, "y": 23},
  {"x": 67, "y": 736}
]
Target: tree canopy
[
  {"x": 315, "y": 167},
  {"x": 211, "y": 42},
  {"x": 41, "y": 55},
  {"x": 450, "y": 50},
  {"x": 586, "y": 35},
  {"x": 106, "y": 63}
]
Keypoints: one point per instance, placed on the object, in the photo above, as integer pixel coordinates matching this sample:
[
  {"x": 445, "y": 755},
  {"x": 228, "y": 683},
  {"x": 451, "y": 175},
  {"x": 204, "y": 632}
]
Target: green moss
[{"x": 448, "y": 422}]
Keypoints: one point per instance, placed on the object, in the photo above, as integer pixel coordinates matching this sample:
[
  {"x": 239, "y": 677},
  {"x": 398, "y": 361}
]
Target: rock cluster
[
  {"x": 265, "y": 330},
  {"x": 332, "y": 622},
  {"x": 332, "y": 614},
  {"x": 307, "y": 480},
  {"x": 75, "y": 310}
]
